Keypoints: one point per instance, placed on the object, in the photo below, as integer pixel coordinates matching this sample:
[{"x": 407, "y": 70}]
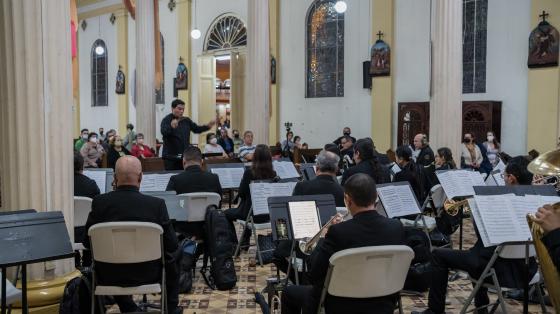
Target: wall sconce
[
  {"x": 84, "y": 25},
  {"x": 112, "y": 18},
  {"x": 171, "y": 5}
]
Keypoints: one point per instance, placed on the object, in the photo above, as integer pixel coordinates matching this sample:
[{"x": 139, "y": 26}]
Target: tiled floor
[{"x": 253, "y": 278}]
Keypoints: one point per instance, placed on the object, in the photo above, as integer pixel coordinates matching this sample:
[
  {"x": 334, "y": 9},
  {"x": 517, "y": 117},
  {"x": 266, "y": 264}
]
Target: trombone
[{"x": 306, "y": 246}]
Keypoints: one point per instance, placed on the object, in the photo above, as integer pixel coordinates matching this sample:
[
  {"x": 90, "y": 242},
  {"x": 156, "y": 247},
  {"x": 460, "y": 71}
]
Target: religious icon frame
[
  {"x": 543, "y": 46},
  {"x": 380, "y": 59},
  {"x": 182, "y": 77}
]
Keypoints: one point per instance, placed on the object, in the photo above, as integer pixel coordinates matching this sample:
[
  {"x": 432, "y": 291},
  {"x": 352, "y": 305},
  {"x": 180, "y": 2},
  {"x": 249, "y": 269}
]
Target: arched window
[
  {"x": 99, "y": 74},
  {"x": 325, "y": 50},
  {"x": 226, "y": 32},
  {"x": 160, "y": 92}
]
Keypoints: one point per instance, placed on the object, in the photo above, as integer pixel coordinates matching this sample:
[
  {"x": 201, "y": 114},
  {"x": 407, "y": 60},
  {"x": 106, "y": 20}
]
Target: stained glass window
[
  {"x": 99, "y": 74},
  {"x": 474, "y": 45},
  {"x": 325, "y": 50},
  {"x": 160, "y": 92},
  {"x": 227, "y": 32}
]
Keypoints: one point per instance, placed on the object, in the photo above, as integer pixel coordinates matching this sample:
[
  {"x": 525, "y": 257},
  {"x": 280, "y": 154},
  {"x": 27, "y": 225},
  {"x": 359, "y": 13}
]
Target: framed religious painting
[
  {"x": 543, "y": 46},
  {"x": 120, "y": 82},
  {"x": 181, "y": 78},
  {"x": 380, "y": 59}
]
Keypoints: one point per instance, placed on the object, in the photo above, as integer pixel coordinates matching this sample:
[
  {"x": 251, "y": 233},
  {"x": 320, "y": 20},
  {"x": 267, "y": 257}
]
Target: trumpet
[
  {"x": 451, "y": 207},
  {"x": 306, "y": 246}
]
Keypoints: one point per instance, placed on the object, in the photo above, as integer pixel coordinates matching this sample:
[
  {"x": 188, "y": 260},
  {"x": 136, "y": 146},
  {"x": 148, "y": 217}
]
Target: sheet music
[
  {"x": 499, "y": 179},
  {"x": 100, "y": 177},
  {"x": 395, "y": 168},
  {"x": 304, "y": 219},
  {"x": 547, "y": 200},
  {"x": 155, "y": 182},
  {"x": 459, "y": 182},
  {"x": 523, "y": 205},
  {"x": 230, "y": 178},
  {"x": 479, "y": 223},
  {"x": 499, "y": 219},
  {"x": 398, "y": 200},
  {"x": 500, "y": 166},
  {"x": 477, "y": 178},
  {"x": 285, "y": 169},
  {"x": 260, "y": 192}
]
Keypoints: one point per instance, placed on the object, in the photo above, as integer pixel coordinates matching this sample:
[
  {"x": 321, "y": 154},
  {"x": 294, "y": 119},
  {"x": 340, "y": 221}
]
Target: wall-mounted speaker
[{"x": 366, "y": 78}]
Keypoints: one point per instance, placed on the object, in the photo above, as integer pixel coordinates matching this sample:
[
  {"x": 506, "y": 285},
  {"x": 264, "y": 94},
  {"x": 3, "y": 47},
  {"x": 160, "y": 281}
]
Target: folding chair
[
  {"x": 506, "y": 251},
  {"x": 127, "y": 243},
  {"x": 367, "y": 272},
  {"x": 82, "y": 208},
  {"x": 13, "y": 294}
]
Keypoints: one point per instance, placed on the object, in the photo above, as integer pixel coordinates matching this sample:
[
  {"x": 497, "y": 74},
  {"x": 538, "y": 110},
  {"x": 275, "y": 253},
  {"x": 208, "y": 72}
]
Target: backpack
[
  {"x": 419, "y": 274},
  {"x": 186, "y": 265},
  {"x": 76, "y": 298},
  {"x": 220, "y": 240}
]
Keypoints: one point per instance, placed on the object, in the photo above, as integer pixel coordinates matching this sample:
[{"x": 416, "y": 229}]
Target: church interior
[{"x": 280, "y": 156}]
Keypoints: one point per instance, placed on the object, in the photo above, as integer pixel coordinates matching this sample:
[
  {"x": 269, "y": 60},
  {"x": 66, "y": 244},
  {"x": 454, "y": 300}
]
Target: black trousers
[
  {"x": 299, "y": 299},
  {"x": 445, "y": 259}
]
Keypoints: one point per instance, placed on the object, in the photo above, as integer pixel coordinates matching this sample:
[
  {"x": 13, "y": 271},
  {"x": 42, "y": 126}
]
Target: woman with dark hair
[
  {"x": 444, "y": 159},
  {"x": 261, "y": 169},
  {"x": 408, "y": 172},
  {"x": 492, "y": 148},
  {"x": 116, "y": 151},
  {"x": 366, "y": 162}
]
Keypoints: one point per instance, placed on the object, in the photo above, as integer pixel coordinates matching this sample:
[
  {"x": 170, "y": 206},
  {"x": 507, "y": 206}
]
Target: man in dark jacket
[
  {"x": 176, "y": 131},
  {"x": 83, "y": 186},
  {"x": 226, "y": 142},
  {"x": 128, "y": 204},
  {"x": 366, "y": 228}
]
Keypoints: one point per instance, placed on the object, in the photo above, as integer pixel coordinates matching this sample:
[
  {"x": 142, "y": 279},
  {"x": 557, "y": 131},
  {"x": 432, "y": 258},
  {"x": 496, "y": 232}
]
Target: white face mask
[
  {"x": 93, "y": 139},
  {"x": 213, "y": 141},
  {"x": 85, "y": 136},
  {"x": 490, "y": 138}
]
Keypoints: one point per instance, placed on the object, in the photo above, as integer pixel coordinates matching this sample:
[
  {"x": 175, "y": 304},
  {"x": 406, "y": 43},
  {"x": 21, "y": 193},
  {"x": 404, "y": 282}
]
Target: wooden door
[
  {"x": 237, "y": 74},
  {"x": 413, "y": 118},
  {"x": 479, "y": 117},
  {"x": 206, "y": 93}
]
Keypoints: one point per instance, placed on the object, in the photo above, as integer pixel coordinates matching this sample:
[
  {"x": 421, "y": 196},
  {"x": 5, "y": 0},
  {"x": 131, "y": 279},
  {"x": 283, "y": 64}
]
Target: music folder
[
  {"x": 261, "y": 191},
  {"x": 397, "y": 199},
  {"x": 230, "y": 175},
  {"x": 156, "y": 181},
  {"x": 103, "y": 177},
  {"x": 281, "y": 220}
]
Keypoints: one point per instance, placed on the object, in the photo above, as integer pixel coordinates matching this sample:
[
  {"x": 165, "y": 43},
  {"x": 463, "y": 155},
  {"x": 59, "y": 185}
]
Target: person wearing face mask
[
  {"x": 140, "y": 150},
  {"x": 471, "y": 156},
  {"x": 345, "y": 132},
  {"x": 110, "y": 134},
  {"x": 492, "y": 148},
  {"x": 212, "y": 145},
  {"x": 237, "y": 141},
  {"x": 408, "y": 171},
  {"x": 225, "y": 141},
  {"x": 82, "y": 140},
  {"x": 101, "y": 134},
  {"x": 92, "y": 152},
  {"x": 116, "y": 151}
]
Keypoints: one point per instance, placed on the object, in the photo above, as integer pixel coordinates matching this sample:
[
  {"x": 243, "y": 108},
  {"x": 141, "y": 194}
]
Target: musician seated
[
  {"x": 549, "y": 220},
  {"x": 367, "y": 162},
  {"x": 366, "y": 228},
  {"x": 475, "y": 259},
  {"x": 126, "y": 203},
  {"x": 409, "y": 172},
  {"x": 192, "y": 180},
  {"x": 83, "y": 186}
]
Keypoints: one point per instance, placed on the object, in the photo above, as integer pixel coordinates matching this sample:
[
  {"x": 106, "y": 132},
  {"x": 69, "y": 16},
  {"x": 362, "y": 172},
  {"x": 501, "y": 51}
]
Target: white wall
[
  {"x": 506, "y": 62},
  {"x": 320, "y": 120},
  {"x": 98, "y": 27}
]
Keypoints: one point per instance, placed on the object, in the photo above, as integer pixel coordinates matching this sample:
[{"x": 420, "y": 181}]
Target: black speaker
[{"x": 366, "y": 78}]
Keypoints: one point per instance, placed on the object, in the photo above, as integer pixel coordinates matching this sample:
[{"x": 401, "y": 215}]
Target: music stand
[
  {"x": 210, "y": 166},
  {"x": 24, "y": 242}
]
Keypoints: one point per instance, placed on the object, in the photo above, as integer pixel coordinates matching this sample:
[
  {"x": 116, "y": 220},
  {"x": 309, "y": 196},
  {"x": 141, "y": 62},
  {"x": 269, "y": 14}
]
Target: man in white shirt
[{"x": 246, "y": 151}]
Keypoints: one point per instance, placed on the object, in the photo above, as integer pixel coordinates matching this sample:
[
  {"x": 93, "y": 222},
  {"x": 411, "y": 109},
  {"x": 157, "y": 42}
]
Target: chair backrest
[
  {"x": 516, "y": 251},
  {"x": 82, "y": 208},
  {"x": 126, "y": 242},
  {"x": 438, "y": 195},
  {"x": 195, "y": 204},
  {"x": 368, "y": 272},
  {"x": 12, "y": 293}
]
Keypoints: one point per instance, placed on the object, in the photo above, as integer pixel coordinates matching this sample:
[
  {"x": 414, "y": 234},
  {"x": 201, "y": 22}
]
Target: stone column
[
  {"x": 36, "y": 162},
  {"x": 145, "y": 72},
  {"x": 447, "y": 77},
  {"x": 257, "y": 109}
]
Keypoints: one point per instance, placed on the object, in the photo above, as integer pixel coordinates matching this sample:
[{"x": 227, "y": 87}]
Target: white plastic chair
[
  {"x": 13, "y": 294},
  {"x": 506, "y": 251},
  {"x": 195, "y": 204},
  {"x": 82, "y": 208},
  {"x": 367, "y": 272},
  {"x": 127, "y": 243}
]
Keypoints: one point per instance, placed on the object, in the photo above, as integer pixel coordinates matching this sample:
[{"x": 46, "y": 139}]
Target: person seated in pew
[
  {"x": 226, "y": 142},
  {"x": 474, "y": 260},
  {"x": 324, "y": 183},
  {"x": 304, "y": 146},
  {"x": 212, "y": 146},
  {"x": 347, "y": 148},
  {"x": 116, "y": 151},
  {"x": 366, "y": 228},
  {"x": 141, "y": 150},
  {"x": 83, "y": 186},
  {"x": 247, "y": 150},
  {"x": 92, "y": 151},
  {"x": 126, "y": 203},
  {"x": 409, "y": 172},
  {"x": 261, "y": 169},
  {"x": 549, "y": 220},
  {"x": 367, "y": 162}
]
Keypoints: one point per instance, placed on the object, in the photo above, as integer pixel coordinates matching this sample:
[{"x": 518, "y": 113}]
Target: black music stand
[
  {"x": 230, "y": 191},
  {"x": 24, "y": 242}
]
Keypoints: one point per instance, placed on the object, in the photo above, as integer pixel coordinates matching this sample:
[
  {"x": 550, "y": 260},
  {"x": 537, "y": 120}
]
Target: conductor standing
[{"x": 176, "y": 131}]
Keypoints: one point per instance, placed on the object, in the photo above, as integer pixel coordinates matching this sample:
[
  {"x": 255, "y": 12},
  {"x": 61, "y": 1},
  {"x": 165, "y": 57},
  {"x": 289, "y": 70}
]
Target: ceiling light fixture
[{"x": 340, "y": 6}]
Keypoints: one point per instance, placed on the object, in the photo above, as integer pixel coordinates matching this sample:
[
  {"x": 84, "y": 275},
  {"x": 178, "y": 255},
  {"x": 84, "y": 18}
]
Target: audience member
[
  {"x": 126, "y": 203},
  {"x": 297, "y": 141},
  {"x": 287, "y": 143},
  {"x": 82, "y": 140},
  {"x": 345, "y": 132},
  {"x": 116, "y": 151},
  {"x": 141, "y": 150},
  {"x": 471, "y": 156},
  {"x": 237, "y": 141},
  {"x": 366, "y": 228},
  {"x": 101, "y": 133},
  {"x": 409, "y": 172},
  {"x": 247, "y": 150},
  {"x": 83, "y": 186},
  {"x": 212, "y": 146},
  {"x": 492, "y": 148},
  {"x": 485, "y": 165},
  {"x": 110, "y": 134},
  {"x": 92, "y": 152},
  {"x": 261, "y": 169},
  {"x": 226, "y": 142},
  {"x": 366, "y": 162},
  {"x": 304, "y": 146},
  {"x": 130, "y": 137}
]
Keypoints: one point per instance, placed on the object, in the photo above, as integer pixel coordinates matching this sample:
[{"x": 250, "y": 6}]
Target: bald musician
[{"x": 126, "y": 203}]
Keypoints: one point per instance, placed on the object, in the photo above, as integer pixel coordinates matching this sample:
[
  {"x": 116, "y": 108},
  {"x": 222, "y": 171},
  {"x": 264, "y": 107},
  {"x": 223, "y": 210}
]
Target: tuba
[{"x": 307, "y": 246}]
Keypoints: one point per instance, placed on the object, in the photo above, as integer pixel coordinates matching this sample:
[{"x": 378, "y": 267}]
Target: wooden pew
[{"x": 152, "y": 164}]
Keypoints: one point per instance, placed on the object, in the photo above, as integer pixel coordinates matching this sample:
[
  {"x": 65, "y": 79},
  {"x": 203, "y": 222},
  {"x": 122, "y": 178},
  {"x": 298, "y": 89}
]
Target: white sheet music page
[
  {"x": 230, "y": 178},
  {"x": 499, "y": 218},
  {"x": 148, "y": 183},
  {"x": 285, "y": 169},
  {"x": 395, "y": 169},
  {"x": 398, "y": 200},
  {"x": 100, "y": 177},
  {"x": 524, "y": 205},
  {"x": 480, "y": 225},
  {"x": 260, "y": 192},
  {"x": 477, "y": 178},
  {"x": 500, "y": 166},
  {"x": 547, "y": 200},
  {"x": 499, "y": 178},
  {"x": 457, "y": 183},
  {"x": 304, "y": 219},
  {"x": 162, "y": 180}
]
